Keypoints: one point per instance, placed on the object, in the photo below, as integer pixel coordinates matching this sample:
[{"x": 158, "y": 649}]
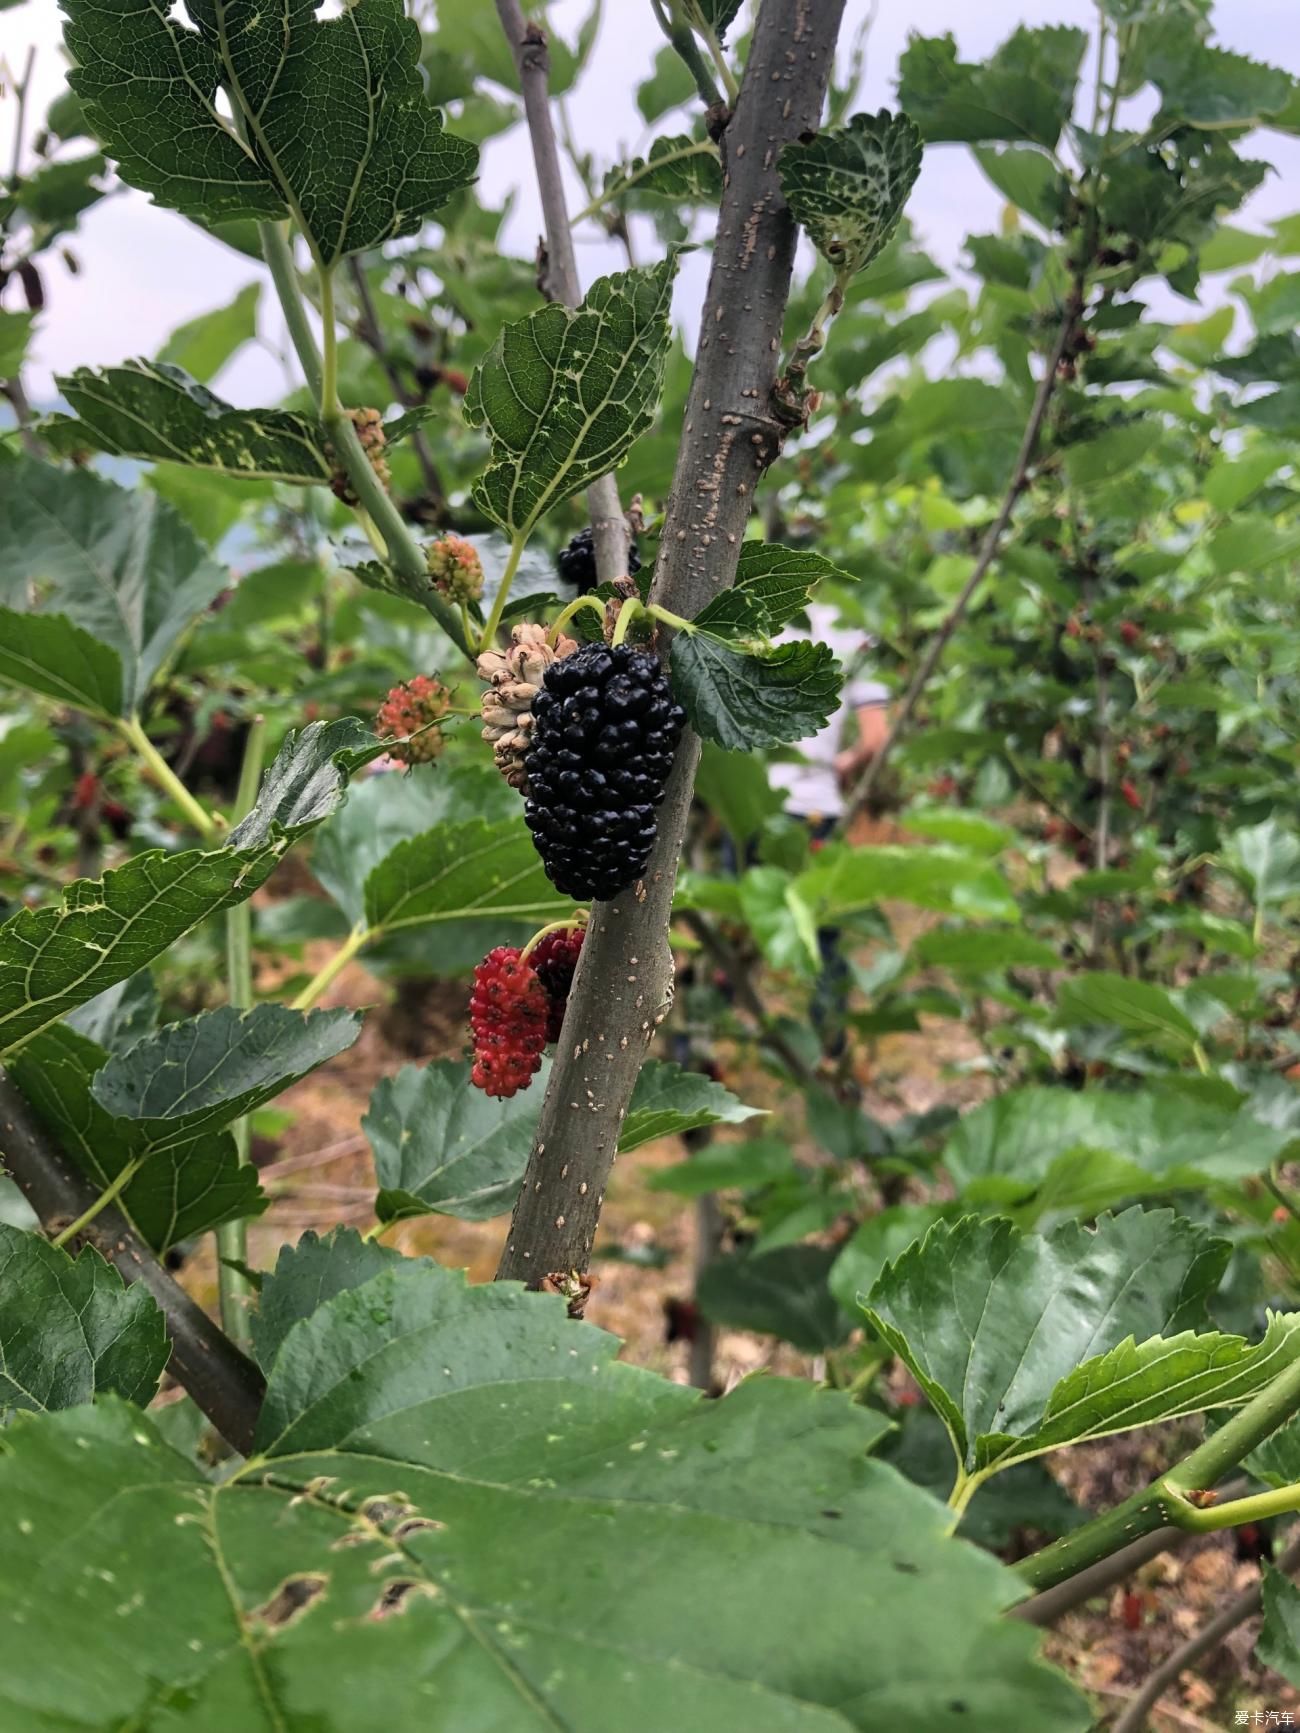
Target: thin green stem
[
  {"x": 1202, "y": 1059},
  {"x": 395, "y": 542},
  {"x": 329, "y": 372},
  {"x": 688, "y": 51},
  {"x": 571, "y": 612},
  {"x": 277, "y": 250},
  {"x": 631, "y": 610},
  {"x": 357, "y": 940},
  {"x": 696, "y": 147},
  {"x": 1259, "y": 1507},
  {"x": 709, "y": 38},
  {"x": 678, "y": 624},
  {"x": 499, "y": 601},
  {"x": 1167, "y": 1501},
  {"x": 106, "y": 1197},
  {"x": 133, "y": 733},
  {"x": 569, "y": 926},
  {"x": 235, "y": 1290}
]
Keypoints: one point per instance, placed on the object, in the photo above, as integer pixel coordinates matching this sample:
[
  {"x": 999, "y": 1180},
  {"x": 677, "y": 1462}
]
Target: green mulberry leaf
[
  {"x": 1279, "y": 1639},
  {"x": 307, "y": 779},
  {"x": 743, "y": 695},
  {"x": 70, "y": 1329},
  {"x": 200, "y": 1074},
  {"x": 337, "y": 130},
  {"x": 442, "y": 1147},
  {"x": 103, "y": 930},
  {"x": 564, "y": 393},
  {"x": 49, "y": 654},
  {"x": 120, "y": 564},
  {"x": 152, "y": 410},
  {"x": 1089, "y": 1149},
  {"x": 308, "y": 1274},
  {"x": 685, "y": 169},
  {"x": 180, "y": 1191},
  {"x": 669, "y": 1101},
  {"x": 456, "y": 872},
  {"x": 1026, "y": 1342},
  {"x": 429, "y": 1455},
  {"x": 1025, "y": 90},
  {"x": 847, "y": 186}
]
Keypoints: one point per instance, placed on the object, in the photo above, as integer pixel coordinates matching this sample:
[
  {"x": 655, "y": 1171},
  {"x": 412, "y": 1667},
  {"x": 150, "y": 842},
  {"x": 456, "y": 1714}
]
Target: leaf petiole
[
  {"x": 106, "y": 1197},
  {"x": 578, "y": 920},
  {"x": 503, "y": 591},
  {"x": 571, "y": 612},
  {"x": 234, "y": 1289},
  {"x": 133, "y": 733},
  {"x": 357, "y": 940}
]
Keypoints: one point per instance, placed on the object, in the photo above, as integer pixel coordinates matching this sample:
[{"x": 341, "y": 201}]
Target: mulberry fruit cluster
[
  {"x": 554, "y": 960},
  {"x": 514, "y": 679},
  {"x": 576, "y": 564},
  {"x": 605, "y": 728},
  {"x": 508, "y": 1014},
  {"x": 455, "y": 567},
  {"x": 369, "y": 424},
  {"x": 516, "y": 1007},
  {"x": 408, "y": 708}
]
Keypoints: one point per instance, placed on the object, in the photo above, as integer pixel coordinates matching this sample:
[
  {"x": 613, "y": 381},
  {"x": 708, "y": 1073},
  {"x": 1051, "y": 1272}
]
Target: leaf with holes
[
  {"x": 71, "y": 1330},
  {"x": 152, "y": 410},
  {"x": 669, "y": 1101},
  {"x": 120, "y": 564},
  {"x": 392, "y": 1546},
  {"x": 335, "y": 129},
  {"x": 563, "y": 394},
  {"x": 847, "y": 186},
  {"x": 200, "y": 1074},
  {"x": 1025, "y": 1342},
  {"x": 102, "y": 931},
  {"x": 444, "y": 1148},
  {"x": 307, "y": 779},
  {"x": 179, "y": 1191}
]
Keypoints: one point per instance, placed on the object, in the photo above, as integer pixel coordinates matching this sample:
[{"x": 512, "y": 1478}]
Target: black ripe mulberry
[
  {"x": 576, "y": 564},
  {"x": 605, "y": 728}
]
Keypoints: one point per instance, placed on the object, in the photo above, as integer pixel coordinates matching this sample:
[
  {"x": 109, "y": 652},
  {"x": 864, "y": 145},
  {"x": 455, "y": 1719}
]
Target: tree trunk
[{"x": 623, "y": 987}]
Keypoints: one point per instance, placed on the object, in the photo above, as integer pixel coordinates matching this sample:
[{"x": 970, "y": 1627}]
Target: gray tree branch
[
  {"x": 224, "y": 1383},
  {"x": 609, "y": 529},
  {"x": 623, "y": 987}
]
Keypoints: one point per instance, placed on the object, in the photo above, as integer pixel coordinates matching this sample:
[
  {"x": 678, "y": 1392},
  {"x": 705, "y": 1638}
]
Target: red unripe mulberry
[{"x": 508, "y": 1015}]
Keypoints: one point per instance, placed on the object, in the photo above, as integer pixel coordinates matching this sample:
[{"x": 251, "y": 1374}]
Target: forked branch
[
  {"x": 624, "y": 982},
  {"x": 224, "y": 1383}
]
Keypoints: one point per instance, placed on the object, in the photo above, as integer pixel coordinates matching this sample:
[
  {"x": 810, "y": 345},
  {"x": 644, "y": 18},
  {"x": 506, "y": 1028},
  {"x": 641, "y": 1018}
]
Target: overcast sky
[{"x": 146, "y": 270}]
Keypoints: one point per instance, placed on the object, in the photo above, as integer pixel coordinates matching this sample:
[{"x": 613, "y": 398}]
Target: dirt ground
[{"x": 318, "y": 1172}]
